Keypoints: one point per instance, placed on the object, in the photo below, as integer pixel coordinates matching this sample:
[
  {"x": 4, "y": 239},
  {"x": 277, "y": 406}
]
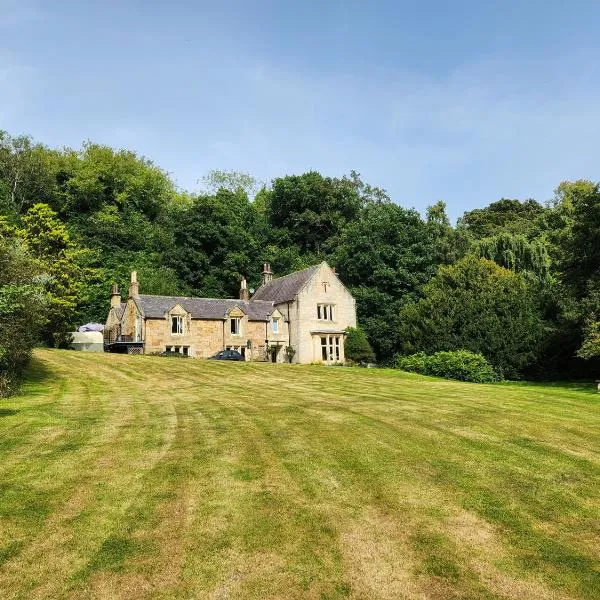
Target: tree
[
  {"x": 504, "y": 216},
  {"x": 29, "y": 173},
  {"x": 367, "y": 193},
  {"x": 105, "y": 177},
  {"x": 22, "y": 311},
  {"x": 516, "y": 253},
  {"x": 232, "y": 181},
  {"x": 357, "y": 347},
  {"x": 116, "y": 267},
  {"x": 47, "y": 240},
  {"x": 580, "y": 240},
  {"x": 389, "y": 248},
  {"x": 214, "y": 246},
  {"x": 586, "y": 313},
  {"x": 450, "y": 244},
  {"x": 312, "y": 209},
  {"x": 479, "y": 306},
  {"x": 386, "y": 256},
  {"x": 590, "y": 348}
]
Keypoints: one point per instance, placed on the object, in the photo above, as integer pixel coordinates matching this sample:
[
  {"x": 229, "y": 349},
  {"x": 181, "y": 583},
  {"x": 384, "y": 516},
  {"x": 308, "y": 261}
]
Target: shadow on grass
[
  {"x": 8, "y": 412},
  {"x": 35, "y": 379},
  {"x": 587, "y": 387},
  {"x": 37, "y": 372}
]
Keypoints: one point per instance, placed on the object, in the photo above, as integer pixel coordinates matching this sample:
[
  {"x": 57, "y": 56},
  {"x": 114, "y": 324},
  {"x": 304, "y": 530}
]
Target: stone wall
[
  {"x": 303, "y": 314},
  {"x": 205, "y": 338}
]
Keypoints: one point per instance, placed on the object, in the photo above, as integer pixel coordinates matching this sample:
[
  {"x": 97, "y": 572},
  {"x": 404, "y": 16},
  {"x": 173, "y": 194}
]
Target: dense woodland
[{"x": 517, "y": 281}]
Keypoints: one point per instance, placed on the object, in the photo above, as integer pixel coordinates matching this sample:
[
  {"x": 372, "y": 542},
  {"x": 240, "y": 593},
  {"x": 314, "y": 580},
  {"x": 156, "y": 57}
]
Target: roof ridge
[
  {"x": 294, "y": 273},
  {"x": 192, "y": 298}
]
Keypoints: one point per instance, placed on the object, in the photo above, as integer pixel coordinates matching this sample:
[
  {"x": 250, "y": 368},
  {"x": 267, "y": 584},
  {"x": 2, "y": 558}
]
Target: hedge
[{"x": 461, "y": 365}]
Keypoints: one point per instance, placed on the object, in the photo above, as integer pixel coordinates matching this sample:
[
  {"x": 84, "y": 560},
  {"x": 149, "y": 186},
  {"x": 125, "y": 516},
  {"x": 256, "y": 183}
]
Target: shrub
[
  {"x": 479, "y": 306},
  {"x": 461, "y": 365},
  {"x": 22, "y": 313},
  {"x": 356, "y": 346},
  {"x": 289, "y": 353}
]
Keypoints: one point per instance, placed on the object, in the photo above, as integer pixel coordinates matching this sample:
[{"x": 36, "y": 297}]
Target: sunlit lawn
[{"x": 149, "y": 477}]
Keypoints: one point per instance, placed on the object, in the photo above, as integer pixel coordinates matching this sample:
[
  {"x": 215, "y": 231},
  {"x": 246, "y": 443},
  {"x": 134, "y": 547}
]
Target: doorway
[{"x": 274, "y": 352}]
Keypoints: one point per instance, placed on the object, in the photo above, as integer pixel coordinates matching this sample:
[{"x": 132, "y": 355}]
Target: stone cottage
[{"x": 308, "y": 311}]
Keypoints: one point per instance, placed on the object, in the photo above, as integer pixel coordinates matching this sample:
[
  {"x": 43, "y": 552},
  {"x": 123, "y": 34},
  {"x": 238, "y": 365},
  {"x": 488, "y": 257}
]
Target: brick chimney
[
  {"x": 267, "y": 274},
  {"x": 244, "y": 290},
  {"x": 115, "y": 299},
  {"x": 134, "y": 286}
]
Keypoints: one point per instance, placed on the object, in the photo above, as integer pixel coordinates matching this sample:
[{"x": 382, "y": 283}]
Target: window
[
  {"x": 275, "y": 325},
  {"x": 236, "y": 326},
  {"x": 325, "y": 312},
  {"x": 330, "y": 348},
  {"x": 177, "y": 325},
  {"x": 185, "y": 350}
]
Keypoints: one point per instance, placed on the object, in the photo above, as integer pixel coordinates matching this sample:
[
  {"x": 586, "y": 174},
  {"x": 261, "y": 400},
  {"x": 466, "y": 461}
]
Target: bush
[
  {"x": 22, "y": 313},
  {"x": 289, "y": 353},
  {"x": 479, "y": 306},
  {"x": 461, "y": 365},
  {"x": 356, "y": 346}
]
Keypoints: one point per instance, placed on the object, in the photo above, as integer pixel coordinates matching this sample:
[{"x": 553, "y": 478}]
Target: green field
[{"x": 148, "y": 477}]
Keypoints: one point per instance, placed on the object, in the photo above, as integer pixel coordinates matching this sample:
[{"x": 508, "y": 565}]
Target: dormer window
[
  {"x": 177, "y": 325},
  {"x": 236, "y": 328},
  {"x": 325, "y": 312},
  {"x": 275, "y": 325}
]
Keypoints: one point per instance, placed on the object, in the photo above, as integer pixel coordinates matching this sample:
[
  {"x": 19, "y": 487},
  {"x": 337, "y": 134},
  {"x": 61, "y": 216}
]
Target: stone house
[{"x": 308, "y": 311}]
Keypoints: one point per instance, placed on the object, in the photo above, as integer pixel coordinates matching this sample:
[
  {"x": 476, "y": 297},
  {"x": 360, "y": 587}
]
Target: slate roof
[
  {"x": 286, "y": 288},
  {"x": 120, "y": 310},
  {"x": 155, "y": 307}
]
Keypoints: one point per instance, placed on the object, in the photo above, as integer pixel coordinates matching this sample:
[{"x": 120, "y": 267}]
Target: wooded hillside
[{"x": 517, "y": 280}]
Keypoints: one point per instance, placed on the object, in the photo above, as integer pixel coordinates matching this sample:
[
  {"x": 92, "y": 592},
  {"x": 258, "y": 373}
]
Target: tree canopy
[
  {"x": 479, "y": 306},
  {"x": 517, "y": 280}
]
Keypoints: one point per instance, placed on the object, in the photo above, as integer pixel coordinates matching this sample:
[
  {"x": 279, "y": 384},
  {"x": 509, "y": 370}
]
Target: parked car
[
  {"x": 173, "y": 353},
  {"x": 227, "y": 355}
]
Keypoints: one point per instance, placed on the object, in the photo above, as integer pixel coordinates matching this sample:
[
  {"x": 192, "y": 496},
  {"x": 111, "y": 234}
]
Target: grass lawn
[{"x": 148, "y": 477}]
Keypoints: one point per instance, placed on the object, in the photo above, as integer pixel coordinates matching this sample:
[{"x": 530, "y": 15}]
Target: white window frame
[
  {"x": 238, "y": 326},
  {"x": 326, "y": 312},
  {"x": 180, "y": 325},
  {"x": 275, "y": 325},
  {"x": 331, "y": 347}
]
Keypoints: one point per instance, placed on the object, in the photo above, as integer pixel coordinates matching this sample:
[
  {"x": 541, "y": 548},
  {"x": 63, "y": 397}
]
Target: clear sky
[{"x": 462, "y": 101}]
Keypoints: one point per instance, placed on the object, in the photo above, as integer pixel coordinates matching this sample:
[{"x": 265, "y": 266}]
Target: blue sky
[{"x": 464, "y": 102}]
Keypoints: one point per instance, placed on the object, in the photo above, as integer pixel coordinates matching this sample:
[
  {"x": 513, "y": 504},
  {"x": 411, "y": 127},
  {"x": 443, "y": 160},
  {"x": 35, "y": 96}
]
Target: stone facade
[
  {"x": 311, "y": 325},
  {"x": 307, "y": 311}
]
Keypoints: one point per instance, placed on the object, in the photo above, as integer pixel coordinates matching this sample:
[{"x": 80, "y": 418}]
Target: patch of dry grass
[{"x": 143, "y": 477}]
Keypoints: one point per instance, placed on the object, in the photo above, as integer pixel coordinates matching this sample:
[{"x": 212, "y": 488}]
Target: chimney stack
[
  {"x": 134, "y": 286},
  {"x": 244, "y": 290},
  {"x": 115, "y": 299},
  {"x": 267, "y": 274}
]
